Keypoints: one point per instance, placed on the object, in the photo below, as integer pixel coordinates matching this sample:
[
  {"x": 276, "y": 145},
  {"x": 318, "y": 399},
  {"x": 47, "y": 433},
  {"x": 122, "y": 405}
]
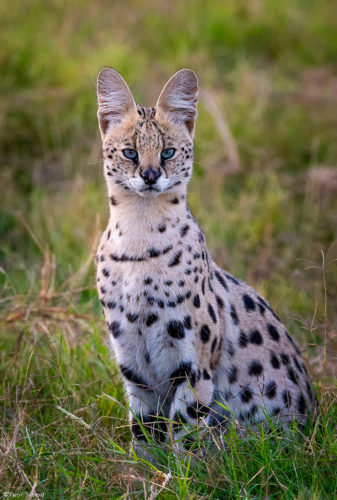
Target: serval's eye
[
  {"x": 166, "y": 154},
  {"x": 131, "y": 154}
]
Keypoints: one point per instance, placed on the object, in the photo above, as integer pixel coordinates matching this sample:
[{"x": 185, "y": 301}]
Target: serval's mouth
[{"x": 149, "y": 191}]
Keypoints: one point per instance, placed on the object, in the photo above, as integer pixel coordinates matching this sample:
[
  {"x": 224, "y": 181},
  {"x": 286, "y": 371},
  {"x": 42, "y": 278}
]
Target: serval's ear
[
  {"x": 179, "y": 98},
  {"x": 115, "y": 100}
]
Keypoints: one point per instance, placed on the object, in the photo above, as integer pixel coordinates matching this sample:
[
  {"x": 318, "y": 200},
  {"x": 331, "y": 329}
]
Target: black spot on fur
[
  {"x": 132, "y": 376},
  {"x": 301, "y": 406},
  {"x": 261, "y": 309},
  {"x": 203, "y": 286},
  {"x": 274, "y": 361},
  {"x": 115, "y": 328},
  {"x": 211, "y": 313},
  {"x": 267, "y": 306},
  {"x": 113, "y": 201},
  {"x": 126, "y": 258},
  {"x": 299, "y": 368},
  {"x": 205, "y": 334},
  {"x": 181, "y": 283},
  {"x": 132, "y": 317},
  {"x": 167, "y": 249},
  {"x": 245, "y": 395},
  {"x": 284, "y": 358},
  {"x": 255, "y": 337},
  {"x": 206, "y": 375},
  {"x": 152, "y": 318},
  {"x": 234, "y": 315},
  {"x": 197, "y": 410},
  {"x": 176, "y": 259},
  {"x": 183, "y": 372},
  {"x": 161, "y": 228},
  {"x": 106, "y": 273},
  {"x": 154, "y": 252},
  {"x": 271, "y": 389},
  {"x": 232, "y": 279},
  {"x": 187, "y": 322},
  {"x": 248, "y": 303},
  {"x": 180, "y": 299},
  {"x": 214, "y": 344},
  {"x": 147, "y": 358},
  {"x": 221, "y": 280},
  {"x": 292, "y": 376},
  {"x": 232, "y": 374},
  {"x": 148, "y": 281},
  {"x": 273, "y": 332},
  {"x": 183, "y": 230},
  {"x": 219, "y": 302},
  {"x": 176, "y": 329},
  {"x": 196, "y": 301},
  {"x": 255, "y": 368},
  {"x": 243, "y": 340},
  {"x": 111, "y": 304},
  {"x": 168, "y": 282},
  {"x": 286, "y": 398},
  {"x": 191, "y": 412}
]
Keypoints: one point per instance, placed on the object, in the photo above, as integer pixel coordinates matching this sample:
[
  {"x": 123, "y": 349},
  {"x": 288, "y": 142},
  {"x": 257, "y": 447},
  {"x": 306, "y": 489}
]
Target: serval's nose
[{"x": 150, "y": 176}]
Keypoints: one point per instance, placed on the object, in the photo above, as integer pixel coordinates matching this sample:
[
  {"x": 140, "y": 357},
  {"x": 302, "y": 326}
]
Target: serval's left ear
[
  {"x": 115, "y": 100},
  {"x": 179, "y": 98}
]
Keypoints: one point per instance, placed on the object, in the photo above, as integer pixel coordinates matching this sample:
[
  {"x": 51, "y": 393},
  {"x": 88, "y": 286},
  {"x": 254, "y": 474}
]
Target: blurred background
[
  {"x": 264, "y": 187},
  {"x": 264, "y": 190}
]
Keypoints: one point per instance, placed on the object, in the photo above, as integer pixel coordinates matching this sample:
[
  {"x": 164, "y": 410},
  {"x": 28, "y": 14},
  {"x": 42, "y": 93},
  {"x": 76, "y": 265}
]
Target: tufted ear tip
[{"x": 179, "y": 98}]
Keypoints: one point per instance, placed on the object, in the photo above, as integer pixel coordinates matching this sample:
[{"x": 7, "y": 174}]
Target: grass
[{"x": 263, "y": 189}]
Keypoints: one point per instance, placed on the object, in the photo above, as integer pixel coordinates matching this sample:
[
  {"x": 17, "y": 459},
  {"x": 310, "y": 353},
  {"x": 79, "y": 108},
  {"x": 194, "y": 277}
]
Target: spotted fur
[{"x": 185, "y": 334}]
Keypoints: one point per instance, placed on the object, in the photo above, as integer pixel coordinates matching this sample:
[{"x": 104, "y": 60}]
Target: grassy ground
[{"x": 264, "y": 190}]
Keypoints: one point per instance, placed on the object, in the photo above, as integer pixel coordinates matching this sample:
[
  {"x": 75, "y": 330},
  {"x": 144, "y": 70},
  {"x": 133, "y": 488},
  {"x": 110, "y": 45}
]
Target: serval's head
[{"x": 147, "y": 151}]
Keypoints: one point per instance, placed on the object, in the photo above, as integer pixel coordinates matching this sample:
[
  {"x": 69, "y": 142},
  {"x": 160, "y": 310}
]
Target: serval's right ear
[{"x": 115, "y": 100}]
